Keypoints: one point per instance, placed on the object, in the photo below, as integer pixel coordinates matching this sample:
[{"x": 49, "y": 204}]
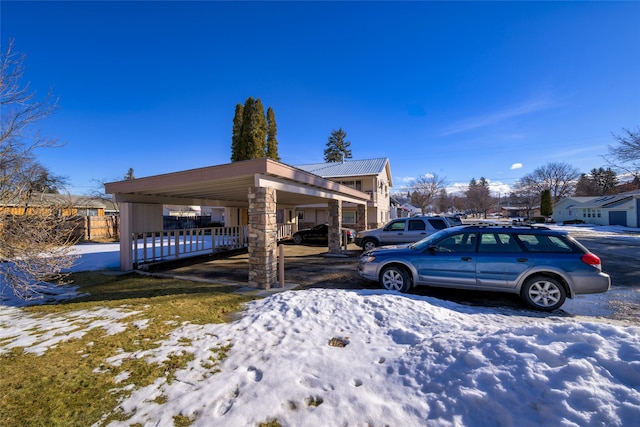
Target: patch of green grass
[
  {"x": 314, "y": 401},
  {"x": 182, "y": 421},
  {"x": 72, "y": 385}
]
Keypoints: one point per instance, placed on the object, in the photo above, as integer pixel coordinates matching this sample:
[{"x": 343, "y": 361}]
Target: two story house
[{"x": 372, "y": 176}]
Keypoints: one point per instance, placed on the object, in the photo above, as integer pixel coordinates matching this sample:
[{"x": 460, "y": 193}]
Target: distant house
[
  {"x": 619, "y": 209},
  {"x": 407, "y": 209},
  {"x": 64, "y": 204},
  {"x": 91, "y": 218},
  {"x": 372, "y": 176}
]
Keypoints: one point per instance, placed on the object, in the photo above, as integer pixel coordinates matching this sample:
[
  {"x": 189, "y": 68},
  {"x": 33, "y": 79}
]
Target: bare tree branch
[
  {"x": 36, "y": 237},
  {"x": 557, "y": 177},
  {"x": 425, "y": 190},
  {"x": 625, "y": 156}
]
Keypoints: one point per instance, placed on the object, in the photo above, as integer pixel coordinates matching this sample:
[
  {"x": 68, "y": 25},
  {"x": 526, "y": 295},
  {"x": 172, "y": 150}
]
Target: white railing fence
[
  {"x": 167, "y": 245},
  {"x": 156, "y": 246},
  {"x": 284, "y": 230}
]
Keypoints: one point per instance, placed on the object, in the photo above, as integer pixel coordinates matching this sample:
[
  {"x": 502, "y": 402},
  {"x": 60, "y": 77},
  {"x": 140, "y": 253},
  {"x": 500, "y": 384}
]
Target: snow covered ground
[{"x": 407, "y": 361}]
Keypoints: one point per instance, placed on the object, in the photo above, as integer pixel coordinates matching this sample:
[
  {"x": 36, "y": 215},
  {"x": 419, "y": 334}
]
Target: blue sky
[{"x": 461, "y": 89}]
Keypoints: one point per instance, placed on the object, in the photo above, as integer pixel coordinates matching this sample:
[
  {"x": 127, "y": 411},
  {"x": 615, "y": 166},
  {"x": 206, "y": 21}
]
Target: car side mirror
[{"x": 432, "y": 249}]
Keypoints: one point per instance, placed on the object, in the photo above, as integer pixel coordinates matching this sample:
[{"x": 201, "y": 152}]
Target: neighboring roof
[
  {"x": 50, "y": 199},
  {"x": 595, "y": 202},
  {"x": 349, "y": 168}
]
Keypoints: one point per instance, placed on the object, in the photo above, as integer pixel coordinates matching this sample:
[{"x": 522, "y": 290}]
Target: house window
[
  {"x": 348, "y": 217},
  {"x": 300, "y": 215},
  {"x": 87, "y": 212},
  {"x": 355, "y": 184},
  {"x": 591, "y": 213}
]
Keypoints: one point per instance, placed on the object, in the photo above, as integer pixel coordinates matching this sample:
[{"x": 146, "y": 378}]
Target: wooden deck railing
[
  {"x": 167, "y": 245},
  {"x": 155, "y": 246}
]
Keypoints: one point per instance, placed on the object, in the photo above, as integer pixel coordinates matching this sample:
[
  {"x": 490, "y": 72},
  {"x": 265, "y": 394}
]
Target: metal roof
[
  {"x": 348, "y": 168},
  {"x": 598, "y": 202}
]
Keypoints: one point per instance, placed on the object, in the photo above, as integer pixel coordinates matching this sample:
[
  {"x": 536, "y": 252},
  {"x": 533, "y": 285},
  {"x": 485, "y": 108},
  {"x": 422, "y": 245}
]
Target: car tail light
[{"x": 592, "y": 259}]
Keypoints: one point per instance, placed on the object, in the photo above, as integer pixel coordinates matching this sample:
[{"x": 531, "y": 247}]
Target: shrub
[{"x": 573, "y": 221}]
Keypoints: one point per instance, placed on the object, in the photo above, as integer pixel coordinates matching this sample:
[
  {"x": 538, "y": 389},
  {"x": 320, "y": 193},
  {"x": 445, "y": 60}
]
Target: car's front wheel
[
  {"x": 543, "y": 293},
  {"x": 395, "y": 278},
  {"x": 369, "y": 244},
  {"x": 297, "y": 239}
]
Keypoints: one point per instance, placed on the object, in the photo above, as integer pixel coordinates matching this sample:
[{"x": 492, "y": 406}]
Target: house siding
[
  {"x": 370, "y": 176},
  {"x": 622, "y": 209}
]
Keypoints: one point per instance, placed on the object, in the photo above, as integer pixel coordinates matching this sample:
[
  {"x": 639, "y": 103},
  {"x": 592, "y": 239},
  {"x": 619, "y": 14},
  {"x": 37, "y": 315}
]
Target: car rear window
[
  {"x": 438, "y": 224},
  {"x": 544, "y": 243},
  {"x": 417, "y": 224},
  {"x": 498, "y": 242}
]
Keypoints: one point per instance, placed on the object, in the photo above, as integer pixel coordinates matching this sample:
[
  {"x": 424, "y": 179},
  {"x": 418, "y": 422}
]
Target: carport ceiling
[{"x": 228, "y": 185}]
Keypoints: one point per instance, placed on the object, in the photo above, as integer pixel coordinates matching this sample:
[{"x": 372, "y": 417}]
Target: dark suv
[{"x": 541, "y": 265}]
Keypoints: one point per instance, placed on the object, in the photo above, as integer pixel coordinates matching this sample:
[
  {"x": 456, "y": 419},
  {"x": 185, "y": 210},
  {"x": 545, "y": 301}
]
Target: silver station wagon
[{"x": 541, "y": 265}]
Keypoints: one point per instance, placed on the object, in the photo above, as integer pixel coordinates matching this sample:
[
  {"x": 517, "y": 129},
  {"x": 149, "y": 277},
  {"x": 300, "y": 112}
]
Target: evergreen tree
[
  {"x": 546, "y": 204},
  {"x": 129, "y": 175},
  {"x": 236, "y": 143},
  {"x": 584, "y": 186},
  {"x": 605, "y": 180},
  {"x": 337, "y": 147},
  {"x": 246, "y": 147},
  {"x": 272, "y": 142},
  {"x": 600, "y": 182},
  {"x": 258, "y": 142},
  {"x": 251, "y": 131}
]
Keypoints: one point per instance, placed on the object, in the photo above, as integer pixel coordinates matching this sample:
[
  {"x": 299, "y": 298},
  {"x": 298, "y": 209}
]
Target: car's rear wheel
[
  {"x": 368, "y": 244},
  {"x": 395, "y": 278},
  {"x": 297, "y": 239},
  {"x": 543, "y": 293}
]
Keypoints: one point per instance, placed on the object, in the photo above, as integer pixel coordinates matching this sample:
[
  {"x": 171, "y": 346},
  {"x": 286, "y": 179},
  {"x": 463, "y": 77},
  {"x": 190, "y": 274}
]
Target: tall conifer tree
[
  {"x": 259, "y": 135},
  {"x": 252, "y": 132},
  {"x": 546, "y": 204},
  {"x": 272, "y": 142},
  {"x": 236, "y": 139}
]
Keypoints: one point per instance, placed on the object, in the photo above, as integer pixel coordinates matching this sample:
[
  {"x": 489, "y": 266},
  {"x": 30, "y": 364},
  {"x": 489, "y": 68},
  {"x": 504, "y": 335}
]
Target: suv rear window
[
  {"x": 438, "y": 224},
  {"x": 544, "y": 243},
  {"x": 417, "y": 224}
]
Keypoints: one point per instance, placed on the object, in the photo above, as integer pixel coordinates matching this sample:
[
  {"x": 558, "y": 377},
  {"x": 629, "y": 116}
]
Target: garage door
[{"x": 618, "y": 218}]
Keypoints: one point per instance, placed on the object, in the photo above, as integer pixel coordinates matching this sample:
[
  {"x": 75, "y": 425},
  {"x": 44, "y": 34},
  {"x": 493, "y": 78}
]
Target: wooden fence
[{"x": 96, "y": 227}]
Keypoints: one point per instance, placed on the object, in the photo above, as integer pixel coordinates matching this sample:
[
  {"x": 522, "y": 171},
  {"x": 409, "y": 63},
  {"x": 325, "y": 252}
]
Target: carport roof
[{"x": 228, "y": 185}]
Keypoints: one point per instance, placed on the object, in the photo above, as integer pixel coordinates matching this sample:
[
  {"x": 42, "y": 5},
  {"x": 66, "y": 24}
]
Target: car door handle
[
  {"x": 522, "y": 259},
  {"x": 466, "y": 258}
]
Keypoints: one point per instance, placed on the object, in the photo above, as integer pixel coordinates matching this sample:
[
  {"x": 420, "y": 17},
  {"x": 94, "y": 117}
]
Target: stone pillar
[
  {"x": 335, "y": 223},
  {"x": 263, "y": 258},
  {"x": 361, "y": 217}
]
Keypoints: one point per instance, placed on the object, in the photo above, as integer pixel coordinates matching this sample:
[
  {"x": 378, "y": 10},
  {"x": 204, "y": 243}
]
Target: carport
[{"x": 261, "y": 186}]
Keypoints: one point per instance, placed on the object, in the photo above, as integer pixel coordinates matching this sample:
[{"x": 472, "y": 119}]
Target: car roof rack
[{"x": 518, "y": 226}]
